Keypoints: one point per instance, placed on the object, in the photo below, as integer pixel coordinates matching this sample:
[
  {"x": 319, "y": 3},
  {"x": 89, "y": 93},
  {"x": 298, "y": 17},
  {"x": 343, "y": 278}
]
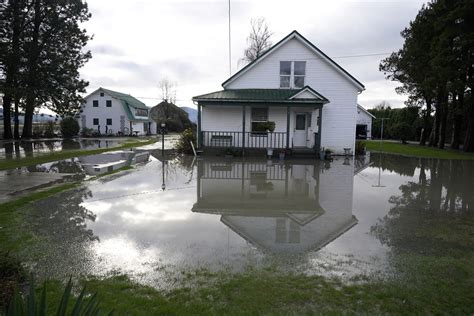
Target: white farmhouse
[
  {"x": 293, "y": 96},
  {"x": 364, "y": 123},
  {"x": 114, "y": 113}
]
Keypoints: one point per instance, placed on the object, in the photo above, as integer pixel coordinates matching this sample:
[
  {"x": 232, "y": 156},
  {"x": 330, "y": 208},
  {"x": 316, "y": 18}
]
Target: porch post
[
  {"x": 199, "y": 134},
  {"x": 320, "y": 124},
  {"x": 243, "y": 128},
  {"x": 287, "y": 127}
]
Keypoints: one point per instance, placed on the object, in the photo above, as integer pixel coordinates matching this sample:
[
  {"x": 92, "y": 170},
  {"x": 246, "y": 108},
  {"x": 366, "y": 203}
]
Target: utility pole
[{"x": 230, "y": 51}]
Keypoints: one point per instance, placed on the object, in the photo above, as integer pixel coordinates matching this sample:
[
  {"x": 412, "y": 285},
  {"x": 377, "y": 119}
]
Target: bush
[
  {"x": 401, "y": 131},
  {"x": 264, "y": 126},
  {"x": 359, "y": 147},
  {"x": 87, "y": 132},
  {"x": 49, "y": 129},
  {"x": 184, "y": 143},
  {"x": 69, "y": 127}
]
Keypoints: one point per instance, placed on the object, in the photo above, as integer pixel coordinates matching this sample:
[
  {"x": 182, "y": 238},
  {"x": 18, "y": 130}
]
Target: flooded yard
[{"x": 345, "y": 218}]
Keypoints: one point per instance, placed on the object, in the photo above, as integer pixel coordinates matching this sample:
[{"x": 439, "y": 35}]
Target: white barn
[
  {"x": 293, "y": 96},
  {"x": 364, "y": 123},
  {"x": 114, "y": 113}
]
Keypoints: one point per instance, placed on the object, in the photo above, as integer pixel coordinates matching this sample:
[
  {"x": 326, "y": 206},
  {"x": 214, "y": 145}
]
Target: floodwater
[
  {"x": 25, "y": 148},
  {"x": 342, "y": 218}
]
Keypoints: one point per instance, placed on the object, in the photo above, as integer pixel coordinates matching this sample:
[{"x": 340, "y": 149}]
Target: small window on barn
[
  {"x": 285, "y": 74},
  {"x": 95, "y": 103},
  {"x": 109, "y": 121},
  {"x": 108, "y": 103},
  {"x": 101, "y": 94},
  {"x": 95, "y": 121}
]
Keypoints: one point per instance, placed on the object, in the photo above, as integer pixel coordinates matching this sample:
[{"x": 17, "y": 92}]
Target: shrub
[
  {"x": 87, "y": 132},
  {"x": 184, "y": 142},
  {"x": 49, "y": 129},
  {"x": 31, "y": 305},
  {"x": 401, "y": 131},
  {"x": 264, "y": 126},
  {"x": 69, "y": 127},
  {"x": 360, "y": 147}
]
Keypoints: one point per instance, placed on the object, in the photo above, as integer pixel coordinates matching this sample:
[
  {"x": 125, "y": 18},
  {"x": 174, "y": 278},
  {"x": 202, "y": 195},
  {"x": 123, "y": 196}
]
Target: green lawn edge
[
  {"x": 416, "y": 150},
  {"x": 6, "y": 164}
]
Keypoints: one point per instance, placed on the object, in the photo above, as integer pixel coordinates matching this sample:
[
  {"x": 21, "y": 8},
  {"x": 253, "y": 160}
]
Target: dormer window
[{"x": 292, "y": 74}]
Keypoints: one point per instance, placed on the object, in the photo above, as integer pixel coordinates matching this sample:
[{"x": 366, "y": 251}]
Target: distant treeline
[{"x": 435, "y": 68}]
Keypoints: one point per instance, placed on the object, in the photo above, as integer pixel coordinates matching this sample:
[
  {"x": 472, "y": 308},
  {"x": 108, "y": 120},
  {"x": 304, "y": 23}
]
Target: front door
[{"x": 300, "y": 132}]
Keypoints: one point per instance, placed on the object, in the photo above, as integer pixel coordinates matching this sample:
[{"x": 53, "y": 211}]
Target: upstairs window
[
  {"x": 95, "y": 121},
  {"x": 95, "y": 103},
  {"x": 141, "y": 112},
  {"x": 101, "y": 94},
  {"x": 285, "y": 74},
  {"x": 109, "y": 121},
  {"x": 108, "y": 103},
  {"x": 292, "y": 74},
  {"x": 299, "y": 72}
]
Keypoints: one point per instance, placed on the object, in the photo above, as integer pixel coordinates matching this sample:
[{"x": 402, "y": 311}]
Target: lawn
[
  {"x": 66, "y": 154},
  {"x": 417, "y": 151}
]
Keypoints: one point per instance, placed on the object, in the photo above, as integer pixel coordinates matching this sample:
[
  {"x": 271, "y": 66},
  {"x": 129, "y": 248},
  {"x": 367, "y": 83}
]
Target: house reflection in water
[{"x": 284, "y": 207}]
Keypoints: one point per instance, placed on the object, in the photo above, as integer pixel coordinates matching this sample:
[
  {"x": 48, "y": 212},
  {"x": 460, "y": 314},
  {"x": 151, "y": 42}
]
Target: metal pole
[{"x": 230, "y": 51}]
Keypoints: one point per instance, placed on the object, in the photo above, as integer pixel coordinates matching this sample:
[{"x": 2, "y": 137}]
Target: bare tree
[
  {"x": 258, "y": 40},
  {"x": 168, "y": 90}
]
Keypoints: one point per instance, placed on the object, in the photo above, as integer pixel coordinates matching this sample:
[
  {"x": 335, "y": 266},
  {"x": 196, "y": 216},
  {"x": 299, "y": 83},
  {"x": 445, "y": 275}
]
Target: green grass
[
  {"x": 60, "y": 155},
  {"x": 13, "y": 236},
  {"x": 270, "y": 292},
  {"x": 417, "y": 151}
]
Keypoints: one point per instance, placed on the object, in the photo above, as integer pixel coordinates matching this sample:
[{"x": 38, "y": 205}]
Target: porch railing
[{"x": 221, "y": 139}]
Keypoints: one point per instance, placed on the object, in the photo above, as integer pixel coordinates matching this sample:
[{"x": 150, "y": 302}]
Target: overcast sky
[{"x": 137, "y": 43}]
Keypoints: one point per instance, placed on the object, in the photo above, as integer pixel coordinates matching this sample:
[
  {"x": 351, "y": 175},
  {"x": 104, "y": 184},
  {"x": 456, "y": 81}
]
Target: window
[
  {"x": 285, "y": 74},
  {"x": 141, "y": 112},
  {"x": 101, "y": 94},
  {"x": 299, "y": 73},
  {"x": 108, "y": 103},
  {"x": 95, "y": 103},
  {"x": 95, "y": 121},
  {"x": 292, "y": 74},
  {"x": 109, "y": 121},
  {"x": 259, "y": 119}
]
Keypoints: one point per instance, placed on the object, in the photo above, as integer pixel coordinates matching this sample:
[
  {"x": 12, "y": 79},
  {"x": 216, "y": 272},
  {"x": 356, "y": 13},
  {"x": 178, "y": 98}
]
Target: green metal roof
[
  {"x": 127, "y": 98},
  {"x": 127, "y": 102},
  {"x": 259, "y": 95}
]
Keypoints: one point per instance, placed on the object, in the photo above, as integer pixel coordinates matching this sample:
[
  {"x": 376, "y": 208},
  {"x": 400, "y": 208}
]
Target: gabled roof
[
  {"x": 262, "y": 95},
  {"x": 308, "y": 44},
  {"x": 364, "y": 110},
  {"x": 127, "y": 101},
  {"x": 311, "y": 91}
]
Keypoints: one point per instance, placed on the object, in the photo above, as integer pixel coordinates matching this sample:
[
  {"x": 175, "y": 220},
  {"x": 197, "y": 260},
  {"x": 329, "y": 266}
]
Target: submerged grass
[
  {"x": 417, "y": 151},
  {"x": 60, "y": 155}
]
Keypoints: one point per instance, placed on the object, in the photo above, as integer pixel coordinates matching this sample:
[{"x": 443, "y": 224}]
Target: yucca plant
[{"x": 33, "y": 307}]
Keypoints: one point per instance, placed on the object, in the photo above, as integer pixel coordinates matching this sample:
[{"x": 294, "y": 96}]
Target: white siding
[
  {"x": 102, "y": 112},
  {"x": 339, "y": 116}
]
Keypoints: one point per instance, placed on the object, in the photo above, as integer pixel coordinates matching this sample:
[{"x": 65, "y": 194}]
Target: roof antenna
[{"x": 230, "y": 52}]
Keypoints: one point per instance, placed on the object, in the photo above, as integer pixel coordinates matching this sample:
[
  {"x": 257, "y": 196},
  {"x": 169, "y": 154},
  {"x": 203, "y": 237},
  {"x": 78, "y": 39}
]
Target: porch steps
[{"x": 304, "y": 153}]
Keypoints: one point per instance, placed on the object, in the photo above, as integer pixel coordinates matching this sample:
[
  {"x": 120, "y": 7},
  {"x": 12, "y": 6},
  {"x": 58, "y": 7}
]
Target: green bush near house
[
  {"x": 69, "y": 127},
  {"x": 184, "y": 143},
  {"x": 360, "y": 147},
  {"x": 263, "y": 126}
]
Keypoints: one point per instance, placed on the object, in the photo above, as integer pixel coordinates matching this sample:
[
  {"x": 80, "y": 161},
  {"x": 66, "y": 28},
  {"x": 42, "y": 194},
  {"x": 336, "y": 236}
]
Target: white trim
[
  {"x": 306, "y": 90},
  {"x": 295, "y": 35},
  {"x": 365, "y": 111}
]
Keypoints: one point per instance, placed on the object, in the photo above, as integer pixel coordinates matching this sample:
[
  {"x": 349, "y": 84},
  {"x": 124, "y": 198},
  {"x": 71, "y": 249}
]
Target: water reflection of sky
[{"x": 304, "y": 216}]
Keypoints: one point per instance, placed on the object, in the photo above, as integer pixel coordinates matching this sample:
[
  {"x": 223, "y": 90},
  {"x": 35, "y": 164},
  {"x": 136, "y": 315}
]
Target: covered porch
[{"x": 260, "y": 118}]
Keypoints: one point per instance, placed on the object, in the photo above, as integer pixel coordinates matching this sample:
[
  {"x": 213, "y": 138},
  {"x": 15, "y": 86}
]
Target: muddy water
[{"x": 341, "y": 218}]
